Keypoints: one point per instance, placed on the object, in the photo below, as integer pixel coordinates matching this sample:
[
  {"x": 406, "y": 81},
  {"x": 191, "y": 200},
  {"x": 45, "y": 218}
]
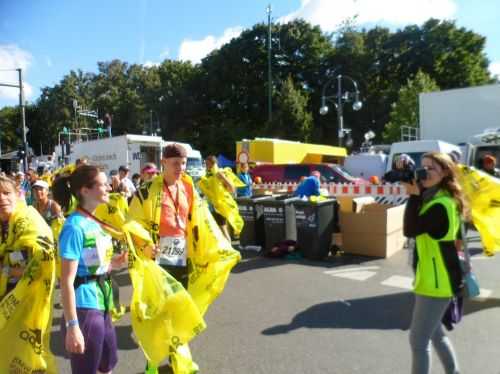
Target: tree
[
  {"x": 405, "y": 111},
  {"x": 292, "y": 121}
]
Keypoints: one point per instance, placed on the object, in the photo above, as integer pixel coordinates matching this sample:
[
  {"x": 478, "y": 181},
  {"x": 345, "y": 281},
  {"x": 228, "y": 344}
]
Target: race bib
[
  {"x": 172, "y": 251},
  {"x": 97, "y": 258}
]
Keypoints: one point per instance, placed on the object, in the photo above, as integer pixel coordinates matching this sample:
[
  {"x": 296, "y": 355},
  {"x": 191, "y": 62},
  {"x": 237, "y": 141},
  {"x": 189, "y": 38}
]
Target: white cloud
[
  {"x": 329, "y": 14},
  {"x": 48, "y": 61},
  {"x": 195, "y": 50},
  {"x": 495, "y": 69},
  {"x": 13, "y": 57}
]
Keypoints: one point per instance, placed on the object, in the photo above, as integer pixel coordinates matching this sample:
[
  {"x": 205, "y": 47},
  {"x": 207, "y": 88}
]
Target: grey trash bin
[
  {"x": 253, "y": 233},
  {"x": 315, "y": 225},
  {"x": 279, "y": 220}
]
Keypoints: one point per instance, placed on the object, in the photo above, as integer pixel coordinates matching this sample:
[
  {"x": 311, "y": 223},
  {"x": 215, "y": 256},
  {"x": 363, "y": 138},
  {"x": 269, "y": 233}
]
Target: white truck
[
  {"x": 469, "y": 117},
  {"x": 133, "y": 151},
  {"x": 109, "y": 154}
]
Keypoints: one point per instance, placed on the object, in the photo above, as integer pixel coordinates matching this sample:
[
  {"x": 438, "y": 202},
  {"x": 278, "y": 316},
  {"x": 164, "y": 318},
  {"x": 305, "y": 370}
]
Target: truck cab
[
  {"x": 417, "y": 148},
  {"x": 488, "y": 142}
]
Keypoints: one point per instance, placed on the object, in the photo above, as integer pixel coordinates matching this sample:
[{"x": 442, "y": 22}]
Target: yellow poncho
[
  {"x": 210, "y": 260},
  {"x": 483, "y": 194},
  {"x": 26, "y": 312},
  {"x": 221, "y": 199}
]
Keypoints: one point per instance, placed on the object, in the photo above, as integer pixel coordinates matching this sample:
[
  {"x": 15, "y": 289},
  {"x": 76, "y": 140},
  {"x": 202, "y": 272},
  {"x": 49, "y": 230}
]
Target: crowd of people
[
  {"x": 52, "y": 223},
  {"x": 82, "y": 249}
]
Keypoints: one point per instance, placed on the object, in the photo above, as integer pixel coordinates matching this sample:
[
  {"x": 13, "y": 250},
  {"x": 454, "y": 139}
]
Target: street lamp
[
  {"x": 340, "y": 97},
  {"x": 151, "y": 123}
]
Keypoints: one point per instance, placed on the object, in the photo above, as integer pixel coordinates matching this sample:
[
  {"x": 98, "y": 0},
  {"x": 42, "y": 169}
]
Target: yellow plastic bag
[
  {"x": 211, "y": 255},
  {"x": 56, "y": 226},
  {"x": 182, "y": 361},
  {"x": 162, "y": 312},
  {"x": 114, "y": 212},
  {"x": 483, "y": 194},
  {"x": 26, "y": 311},
  {"x": 222, "y": 200}
]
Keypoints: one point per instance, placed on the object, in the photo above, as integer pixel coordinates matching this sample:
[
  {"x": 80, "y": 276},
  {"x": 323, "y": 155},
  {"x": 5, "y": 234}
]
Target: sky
[{"x": 49, "y": 38}]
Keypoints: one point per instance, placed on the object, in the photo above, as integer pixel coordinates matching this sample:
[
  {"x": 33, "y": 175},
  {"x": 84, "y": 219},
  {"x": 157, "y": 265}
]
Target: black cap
[{"x": 123, "y": 168}]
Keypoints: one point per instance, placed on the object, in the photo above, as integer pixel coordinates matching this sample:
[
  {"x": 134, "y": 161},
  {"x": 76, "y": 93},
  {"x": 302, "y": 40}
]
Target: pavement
[{"x": 345, "y": 315}]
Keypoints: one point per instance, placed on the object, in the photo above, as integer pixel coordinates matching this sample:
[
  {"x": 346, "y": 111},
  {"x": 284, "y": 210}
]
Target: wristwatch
[{"x": 71, "y": 322}]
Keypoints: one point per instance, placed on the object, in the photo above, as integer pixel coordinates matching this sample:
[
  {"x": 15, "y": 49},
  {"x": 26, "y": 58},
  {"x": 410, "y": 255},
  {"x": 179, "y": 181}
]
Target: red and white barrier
[{"x": 383, "y": 193}]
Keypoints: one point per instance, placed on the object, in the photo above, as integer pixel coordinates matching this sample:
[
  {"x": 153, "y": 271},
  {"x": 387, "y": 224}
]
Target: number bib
[{"x": 173, "y": 251}]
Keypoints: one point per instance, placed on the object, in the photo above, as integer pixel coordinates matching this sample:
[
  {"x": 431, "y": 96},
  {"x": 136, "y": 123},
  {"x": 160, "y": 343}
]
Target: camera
[{"x": 406, "y": 175}]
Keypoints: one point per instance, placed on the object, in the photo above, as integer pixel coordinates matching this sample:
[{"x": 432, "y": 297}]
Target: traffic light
[{"x": 20, "y": 154}]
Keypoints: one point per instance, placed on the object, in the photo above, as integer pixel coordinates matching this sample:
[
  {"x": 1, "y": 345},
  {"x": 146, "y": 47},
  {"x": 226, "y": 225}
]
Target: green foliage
[
  {"x": 224, "y": 98},
  {"x": 405, "y": 111},
  {"x": 292, "y": 120}
]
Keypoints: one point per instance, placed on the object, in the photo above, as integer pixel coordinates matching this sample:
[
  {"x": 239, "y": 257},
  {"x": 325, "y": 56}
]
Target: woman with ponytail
[
  {"x": 86, "y": 254},
  {"x": 433, "y": 216}
]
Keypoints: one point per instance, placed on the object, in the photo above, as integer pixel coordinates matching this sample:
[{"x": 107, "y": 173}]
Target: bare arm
[{"x": 74, "y": 338}]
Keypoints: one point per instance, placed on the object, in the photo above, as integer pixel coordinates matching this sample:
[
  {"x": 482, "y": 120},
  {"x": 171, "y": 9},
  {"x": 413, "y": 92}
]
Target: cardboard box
[
  {"x": 354, "y": 204},
  {"x": 376, "y": 230}
]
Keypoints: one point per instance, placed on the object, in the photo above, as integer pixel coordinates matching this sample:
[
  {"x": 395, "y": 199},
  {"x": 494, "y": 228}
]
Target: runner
[
  {"x": 27, "y": 276},
  {"x": 86, "y": 251}
]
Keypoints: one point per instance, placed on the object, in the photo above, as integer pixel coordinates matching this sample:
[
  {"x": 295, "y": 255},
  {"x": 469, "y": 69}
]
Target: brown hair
[
  {"x": 450, "y": 179},
  {"x": 211, "y": 158},
  {"x": 67, "y": 185}
]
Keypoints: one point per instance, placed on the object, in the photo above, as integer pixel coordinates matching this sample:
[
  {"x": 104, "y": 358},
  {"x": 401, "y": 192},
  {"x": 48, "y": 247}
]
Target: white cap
[{"x": 40, "y": 183}]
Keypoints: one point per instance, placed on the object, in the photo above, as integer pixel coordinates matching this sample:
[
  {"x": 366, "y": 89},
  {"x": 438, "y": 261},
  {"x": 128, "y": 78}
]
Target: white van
[
  {"x": 417, "y": 148},
  {"x": 365, "y": 165}
]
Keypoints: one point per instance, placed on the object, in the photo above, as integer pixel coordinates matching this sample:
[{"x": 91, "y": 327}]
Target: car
[{"x": 285, "y": 173}]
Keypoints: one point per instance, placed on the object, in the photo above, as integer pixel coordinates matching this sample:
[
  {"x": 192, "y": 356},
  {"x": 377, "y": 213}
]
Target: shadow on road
[
  {"x": 254, "y": 261},
  {"x": 385, "y": 312},
  {"x": 379, "y": 313}
]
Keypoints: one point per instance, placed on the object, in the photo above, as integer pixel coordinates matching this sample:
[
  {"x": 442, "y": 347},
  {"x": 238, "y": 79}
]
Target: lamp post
[
  {"x": 23, "y": 115},
  {"x": 340, "y": 97},
  {"x": 152, "y": 131}
]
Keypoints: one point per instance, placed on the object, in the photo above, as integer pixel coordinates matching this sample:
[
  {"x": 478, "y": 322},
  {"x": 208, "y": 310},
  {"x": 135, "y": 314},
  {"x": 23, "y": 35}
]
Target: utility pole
[
  {"x": 23, "y": 120},
  {"x": 269, "y": 73}
]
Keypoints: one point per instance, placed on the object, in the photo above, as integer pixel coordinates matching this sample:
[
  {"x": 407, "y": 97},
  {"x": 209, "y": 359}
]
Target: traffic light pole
[{"x": 23, "y": 120}]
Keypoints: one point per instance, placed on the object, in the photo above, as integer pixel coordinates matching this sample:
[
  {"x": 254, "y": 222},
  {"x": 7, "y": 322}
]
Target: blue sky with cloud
[{"x": 49, "y": 38}]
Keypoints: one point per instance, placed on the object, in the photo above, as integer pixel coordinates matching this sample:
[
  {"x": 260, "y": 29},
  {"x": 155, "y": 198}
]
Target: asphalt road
[{"x": 345, "y": 315}]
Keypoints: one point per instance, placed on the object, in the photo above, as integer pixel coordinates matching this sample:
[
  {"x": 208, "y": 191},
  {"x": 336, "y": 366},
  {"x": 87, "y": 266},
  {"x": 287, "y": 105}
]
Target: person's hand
[
  {"x": 74, "y": 341},
  {"x": 411, "y": 188},
  {"x": 120, "y": 260},
  {"x": 151, "y": 250}
]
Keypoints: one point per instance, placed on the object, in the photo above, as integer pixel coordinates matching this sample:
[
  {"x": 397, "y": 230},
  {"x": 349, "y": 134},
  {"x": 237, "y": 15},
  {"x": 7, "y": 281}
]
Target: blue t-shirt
[
  {"x": 247, "y": 190},
  {"x": 309, "y": 187},
  {"x": 83, "y": 240}
]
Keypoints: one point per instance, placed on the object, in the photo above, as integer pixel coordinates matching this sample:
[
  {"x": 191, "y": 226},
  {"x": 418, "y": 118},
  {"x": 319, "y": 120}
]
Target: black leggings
[{"x": 180, "y": 273}]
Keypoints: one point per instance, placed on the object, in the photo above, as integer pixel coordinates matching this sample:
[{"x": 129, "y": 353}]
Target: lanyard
[
  {"x": 179, "y": 222},
  {"x": 104, "y": 225}
]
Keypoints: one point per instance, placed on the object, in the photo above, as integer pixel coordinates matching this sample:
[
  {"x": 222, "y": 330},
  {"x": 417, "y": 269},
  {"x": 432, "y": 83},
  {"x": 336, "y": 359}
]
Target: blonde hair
[
  {"x": 7, "y": 183},
  {"x": 450, "y": 179}
]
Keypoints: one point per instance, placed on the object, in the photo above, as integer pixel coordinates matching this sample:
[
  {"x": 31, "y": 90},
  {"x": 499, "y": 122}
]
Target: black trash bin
[
  {"x": 315, "y": 225},
  {"x": 279, "y": 220},
  {"x": 253, "y": 233}
]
